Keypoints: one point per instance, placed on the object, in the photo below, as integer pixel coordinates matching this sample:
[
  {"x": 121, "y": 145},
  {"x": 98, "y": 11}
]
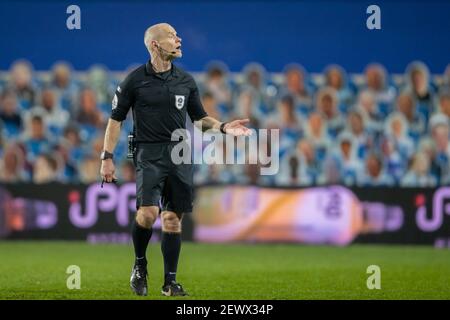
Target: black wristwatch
[
  {"x": 106, "y": 155},
  {"x": 222, "y": 126}
]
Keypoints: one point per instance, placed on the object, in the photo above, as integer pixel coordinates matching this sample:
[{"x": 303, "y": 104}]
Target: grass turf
[{"x": 37, "y": 270}]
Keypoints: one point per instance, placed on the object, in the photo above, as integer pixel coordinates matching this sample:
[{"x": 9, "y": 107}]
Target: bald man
[{"x": 160, "y": 95}]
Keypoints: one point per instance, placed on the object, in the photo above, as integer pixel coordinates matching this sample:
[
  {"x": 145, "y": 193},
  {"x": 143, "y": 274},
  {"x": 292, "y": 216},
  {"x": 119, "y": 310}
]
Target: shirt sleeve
[
  {"x": 123, "y": 100},
  {"x": 195, "y": 107}
]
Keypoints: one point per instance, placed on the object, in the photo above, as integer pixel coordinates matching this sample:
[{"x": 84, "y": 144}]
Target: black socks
[
  {"x": 170, "y": 248},
  {"x": 141, "y": 237}
]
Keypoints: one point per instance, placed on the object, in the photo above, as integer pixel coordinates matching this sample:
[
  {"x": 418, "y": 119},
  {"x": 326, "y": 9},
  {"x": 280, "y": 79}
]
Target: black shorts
[{"x": 158, "y": 178}]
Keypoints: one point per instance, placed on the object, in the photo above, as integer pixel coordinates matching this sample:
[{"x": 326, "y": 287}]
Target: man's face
[
  {"x": 42, "y": 170},
  {"x": 37, "y": 129},
  {"x": 406, "y": 105},
  {"x": 387, "y": 147},
  {"x": 294, "y": 80},
  {"x": 215, "y": 75},
  {"x": 445, "y": 105},
  {"x": 356, "y": 123},
  {"x": 87, "y": 101},
  {"x": 367, "y": 101},
  {"x": 286, "y": 111},
  {"x": 170, "y": 42},
  {"x": 346, "y": 148},
  {"x": 73, "y": 137},
  {"x": 335, "y": 79},
  {"x": 374, "y": 78},
  {"x": 61, "y": 76},
  {"x": 397, "y": 128},
  {"x": 373, "y": 166},
  {"x": 418, "y": 79},
  {"x": 315, "y": 122},
  {"x": 327, "y": 106},
  {"x": 21, "y": 76},
  {"x": 440, "y": 135},
  {"x": 48, "y": 99},
  {"x": 11, "y": 161},
  {"x": 421, "y": 163},
  {"x": 9, "y": 104},
  {"x": 254, "y": 78}
]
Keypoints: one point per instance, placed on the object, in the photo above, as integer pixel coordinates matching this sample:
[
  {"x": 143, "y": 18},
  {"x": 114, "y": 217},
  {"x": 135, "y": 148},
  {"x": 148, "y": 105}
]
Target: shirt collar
[{"x": 150, "y": 71}]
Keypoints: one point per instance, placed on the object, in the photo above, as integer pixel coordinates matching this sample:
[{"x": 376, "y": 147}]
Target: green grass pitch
[{"x": 37, "y": 270}]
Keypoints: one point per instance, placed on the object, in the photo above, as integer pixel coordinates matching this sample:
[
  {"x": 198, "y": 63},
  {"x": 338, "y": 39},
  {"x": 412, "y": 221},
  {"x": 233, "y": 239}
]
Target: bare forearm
[
  {"x": 111, "y": 135},
  {"x": 208, "y": 123}
]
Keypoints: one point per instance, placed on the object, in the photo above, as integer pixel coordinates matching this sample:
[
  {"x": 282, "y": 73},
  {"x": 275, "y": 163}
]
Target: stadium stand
[{"x": 368, "y": 129}]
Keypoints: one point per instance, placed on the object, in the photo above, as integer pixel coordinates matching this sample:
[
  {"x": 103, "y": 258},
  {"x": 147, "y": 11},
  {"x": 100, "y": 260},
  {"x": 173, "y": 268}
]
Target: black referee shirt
[{"x": 159, "y": 102}]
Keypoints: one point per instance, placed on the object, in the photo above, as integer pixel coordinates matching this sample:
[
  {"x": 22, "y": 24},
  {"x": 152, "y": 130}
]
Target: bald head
[
  {"x": 155, "y": 32},
  {"x": 162, "y": 35}
]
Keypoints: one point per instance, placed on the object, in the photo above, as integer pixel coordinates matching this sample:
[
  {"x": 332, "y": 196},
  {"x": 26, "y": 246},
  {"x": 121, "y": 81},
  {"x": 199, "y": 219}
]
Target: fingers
[
  {"x": 109, "y": 177},
  {"x": 243, "y": 121},
  {"x": 238, "y": 128},
  {"x": 239, "y": 122},
  {"x": 241, "y": 131},
  {"x": 107, "y": 172}
]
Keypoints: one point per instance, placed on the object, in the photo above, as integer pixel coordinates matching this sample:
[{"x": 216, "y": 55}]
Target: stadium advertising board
[
  {"x": 71, "y": 212},
  {"x": 321, "y": 215}
]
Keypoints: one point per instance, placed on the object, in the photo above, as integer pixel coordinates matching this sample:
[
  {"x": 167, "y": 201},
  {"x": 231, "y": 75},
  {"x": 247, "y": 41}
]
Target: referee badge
[{"x": 179, "y": 101}]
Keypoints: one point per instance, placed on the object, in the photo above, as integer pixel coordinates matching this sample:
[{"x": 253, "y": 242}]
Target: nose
[{"x": 178, "y": 39}]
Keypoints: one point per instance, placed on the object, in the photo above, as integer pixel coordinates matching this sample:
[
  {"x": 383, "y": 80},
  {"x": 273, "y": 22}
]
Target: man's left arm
[
  {"x": 204, "y": 122},
  {"x": 208, "y": 123},
  {"x": 235, "y": 127}
]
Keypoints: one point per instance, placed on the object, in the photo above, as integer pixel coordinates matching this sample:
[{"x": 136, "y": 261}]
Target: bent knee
[
  {"x": 146, "y": 216},
  {"x": 171, "y": 222}
]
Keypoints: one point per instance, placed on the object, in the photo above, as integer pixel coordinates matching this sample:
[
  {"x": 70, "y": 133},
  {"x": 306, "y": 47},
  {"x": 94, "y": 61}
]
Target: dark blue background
[{"x": 313, "y": 33}]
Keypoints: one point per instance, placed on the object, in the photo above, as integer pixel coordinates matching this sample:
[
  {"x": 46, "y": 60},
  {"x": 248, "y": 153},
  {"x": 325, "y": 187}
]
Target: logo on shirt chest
[{"x": 179, "y": 101}]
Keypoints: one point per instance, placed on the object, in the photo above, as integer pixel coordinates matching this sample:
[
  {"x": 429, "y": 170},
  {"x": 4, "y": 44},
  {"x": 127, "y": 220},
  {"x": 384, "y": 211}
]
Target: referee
[{"x": 159, "y": 94}]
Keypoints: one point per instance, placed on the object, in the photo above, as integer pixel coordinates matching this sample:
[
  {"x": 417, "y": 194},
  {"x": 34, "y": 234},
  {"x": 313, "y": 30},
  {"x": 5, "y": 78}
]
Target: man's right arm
[
  {"x": 107, "y": 169},
  {"x": 112, "y": 135},
  {"x": 122, "y": 101}
]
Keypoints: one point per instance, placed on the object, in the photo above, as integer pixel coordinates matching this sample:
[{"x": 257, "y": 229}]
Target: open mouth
[{"x": 178, "y": 48}]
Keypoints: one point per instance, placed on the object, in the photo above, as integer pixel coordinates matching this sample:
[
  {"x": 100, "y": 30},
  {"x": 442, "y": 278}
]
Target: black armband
[{"x": 222, "y": 126}]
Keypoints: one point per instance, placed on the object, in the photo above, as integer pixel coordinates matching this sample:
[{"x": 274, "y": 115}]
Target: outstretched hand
[{"x": 238, "y": 128}]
